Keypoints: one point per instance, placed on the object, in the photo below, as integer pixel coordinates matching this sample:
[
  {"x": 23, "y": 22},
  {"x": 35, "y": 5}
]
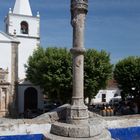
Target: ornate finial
[
  {"x": 79, "y": 5},
  {"x": 10, "y": 10},
  {"x": 38, "y": 15}
]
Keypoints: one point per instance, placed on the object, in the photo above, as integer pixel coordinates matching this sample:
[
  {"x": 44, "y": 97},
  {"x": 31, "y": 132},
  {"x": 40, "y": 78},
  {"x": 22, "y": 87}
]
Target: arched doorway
[{"x": 30, "y": 99}]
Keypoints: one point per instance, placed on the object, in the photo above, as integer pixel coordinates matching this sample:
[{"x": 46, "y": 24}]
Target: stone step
[{"x": 105, "y": 135}]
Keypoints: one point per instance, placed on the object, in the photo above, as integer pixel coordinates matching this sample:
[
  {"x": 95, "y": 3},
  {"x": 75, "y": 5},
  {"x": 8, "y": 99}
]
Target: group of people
[
  {"x": 127, "y": 108},
  {"x": 122, "y": 108}
]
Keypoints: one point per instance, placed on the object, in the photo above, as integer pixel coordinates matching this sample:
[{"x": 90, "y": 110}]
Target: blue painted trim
[
  {"x": 130, "y": 133},
  {"x": 23, "y": 137}
]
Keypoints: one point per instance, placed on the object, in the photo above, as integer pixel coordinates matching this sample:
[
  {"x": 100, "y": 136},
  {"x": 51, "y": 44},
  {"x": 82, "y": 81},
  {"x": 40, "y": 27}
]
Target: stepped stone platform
[
  {"x": 105, "y": 135},
  {"x": 43, "y": 123},
  {"x": 95, "y": 129}
]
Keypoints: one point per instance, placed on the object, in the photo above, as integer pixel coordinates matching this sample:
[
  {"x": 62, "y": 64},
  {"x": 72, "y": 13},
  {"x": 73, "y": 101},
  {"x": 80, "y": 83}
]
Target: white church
[{"x": 17, "y": 43}]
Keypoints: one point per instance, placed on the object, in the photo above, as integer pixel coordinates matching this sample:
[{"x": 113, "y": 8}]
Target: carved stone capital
[{"x": 79, "y": 5}]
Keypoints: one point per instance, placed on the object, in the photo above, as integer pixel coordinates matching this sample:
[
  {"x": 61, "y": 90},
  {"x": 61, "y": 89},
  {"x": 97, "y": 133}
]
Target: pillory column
[
  {"x": 79, "y": 125},
  {"x": 78, "y": 112}
]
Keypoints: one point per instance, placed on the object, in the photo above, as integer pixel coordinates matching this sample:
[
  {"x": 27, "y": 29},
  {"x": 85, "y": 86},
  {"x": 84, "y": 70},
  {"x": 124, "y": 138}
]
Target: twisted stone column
[{"x": 78, "y": 112}]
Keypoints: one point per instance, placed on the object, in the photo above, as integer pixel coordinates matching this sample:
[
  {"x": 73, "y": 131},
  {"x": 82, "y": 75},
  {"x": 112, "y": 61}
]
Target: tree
[
  {"x": 51, "y": 68},
  {"x": 127, "y": 74},
  {"x": 98, "y": 70}
]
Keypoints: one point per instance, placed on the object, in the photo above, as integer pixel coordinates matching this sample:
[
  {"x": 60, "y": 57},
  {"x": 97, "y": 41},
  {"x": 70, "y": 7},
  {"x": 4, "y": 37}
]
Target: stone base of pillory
[
  {"x": 93, "y": 130},
  {"x": 104, "y": 136}
]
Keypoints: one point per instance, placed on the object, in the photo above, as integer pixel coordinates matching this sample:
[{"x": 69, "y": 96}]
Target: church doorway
[{"x": 30, "y": 99}]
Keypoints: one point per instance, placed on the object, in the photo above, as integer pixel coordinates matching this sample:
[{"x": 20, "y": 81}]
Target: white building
[
  {"x": 21, "y": 23},
  {"x": 108, "y": 95},
  {"x": 27, "y": 29}
]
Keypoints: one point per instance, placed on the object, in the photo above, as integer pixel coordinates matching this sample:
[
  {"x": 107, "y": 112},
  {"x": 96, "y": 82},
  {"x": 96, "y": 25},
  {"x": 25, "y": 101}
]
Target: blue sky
[{"x": 111, "y": 25}]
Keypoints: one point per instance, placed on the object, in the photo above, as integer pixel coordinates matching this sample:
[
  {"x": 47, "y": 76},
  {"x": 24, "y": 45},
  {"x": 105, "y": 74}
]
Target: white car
[{"x": 115, "y": 100}]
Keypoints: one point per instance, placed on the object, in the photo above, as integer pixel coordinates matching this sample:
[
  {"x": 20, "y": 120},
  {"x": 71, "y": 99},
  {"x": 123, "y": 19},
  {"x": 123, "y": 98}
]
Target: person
[
  {"x": 27, "y": 113},
  {"x": 134, "y": 108},
  {"x": 125, "y": 108}
]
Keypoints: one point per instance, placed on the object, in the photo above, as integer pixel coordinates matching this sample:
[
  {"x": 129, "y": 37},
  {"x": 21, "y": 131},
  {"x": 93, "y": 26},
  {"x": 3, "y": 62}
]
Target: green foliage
[
  {"x": 97, "y": 71},
  {"x": 127, "y": 74},
  {"x": 51, "y": 68}
]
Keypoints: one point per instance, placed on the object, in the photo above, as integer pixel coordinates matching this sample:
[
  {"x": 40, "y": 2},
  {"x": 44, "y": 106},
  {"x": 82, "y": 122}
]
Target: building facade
[
  {"x": 108, "y": 95},
  {"x": 21, "y": 25},
  {"x": 4, "y": 92}
]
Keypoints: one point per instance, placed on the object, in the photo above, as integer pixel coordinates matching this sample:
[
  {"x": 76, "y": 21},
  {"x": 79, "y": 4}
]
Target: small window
[
  {"x": 103, "y": 97},
  {"x": 6, "y": 28},
  {"x": 24, "y": 27}
]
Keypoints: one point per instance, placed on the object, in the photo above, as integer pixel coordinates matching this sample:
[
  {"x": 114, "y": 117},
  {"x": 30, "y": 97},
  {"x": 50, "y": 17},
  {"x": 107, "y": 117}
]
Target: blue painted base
[
  {"x": 130, "y": 133},
  {"x": 23, "y": 137}
]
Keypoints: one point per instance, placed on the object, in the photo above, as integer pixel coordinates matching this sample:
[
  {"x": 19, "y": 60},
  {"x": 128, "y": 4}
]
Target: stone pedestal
[
  {"x": 94, "y": 130},
  {"x": 94, "y": 127},
  {"x": 77, "y": 115},
  {"x": 105, "y": 135}
]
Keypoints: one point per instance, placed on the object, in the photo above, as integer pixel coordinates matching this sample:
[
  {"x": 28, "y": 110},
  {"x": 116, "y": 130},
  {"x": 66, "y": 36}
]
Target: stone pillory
[
  {"x": 78, "y": 112},
  {"x": 78, "y": 125}
]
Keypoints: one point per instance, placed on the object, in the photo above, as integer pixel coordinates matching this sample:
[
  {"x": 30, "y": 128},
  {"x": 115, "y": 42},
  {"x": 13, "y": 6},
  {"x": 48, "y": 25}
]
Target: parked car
[
  {"x": 115, "y": 100},
  {"x": 48, "y": 106}
]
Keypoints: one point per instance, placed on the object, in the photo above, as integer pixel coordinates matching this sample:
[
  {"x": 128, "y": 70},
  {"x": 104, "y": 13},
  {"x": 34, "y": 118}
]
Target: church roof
[
  {"x": 24, "y": 82},
  {"x": 4, "y": 38},
  {"x": 22, "y": 7}
]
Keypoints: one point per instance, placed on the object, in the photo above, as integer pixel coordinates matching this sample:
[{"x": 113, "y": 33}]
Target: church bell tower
[{"x": 21, "y": 21}]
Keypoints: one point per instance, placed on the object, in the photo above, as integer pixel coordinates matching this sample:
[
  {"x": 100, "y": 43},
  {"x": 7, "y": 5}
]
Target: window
[
  {"x": 103, "y": 97},
  {"x": 24, "y": 27},
  {"x": 6, "y": 28}
]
